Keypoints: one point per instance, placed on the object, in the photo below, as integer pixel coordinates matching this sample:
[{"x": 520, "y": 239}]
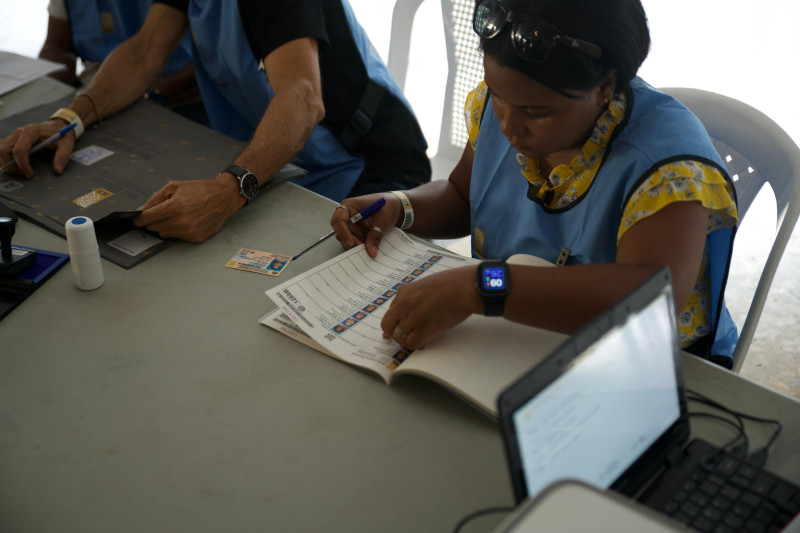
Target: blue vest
[
  {"x": 236, "y": 94},
  {"x": 657, "y": 129},
  {"x": 98, "y": 26}
]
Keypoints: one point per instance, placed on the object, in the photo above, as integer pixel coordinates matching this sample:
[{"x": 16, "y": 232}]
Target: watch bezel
[{"x": 248, "y": 185}]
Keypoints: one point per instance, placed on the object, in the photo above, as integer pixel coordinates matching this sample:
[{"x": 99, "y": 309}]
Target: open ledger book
[{"x": 337, "y": 307}]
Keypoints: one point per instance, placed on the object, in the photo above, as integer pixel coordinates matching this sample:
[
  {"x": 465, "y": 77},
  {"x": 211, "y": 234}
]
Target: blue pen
[
  {"x": 367, "y": 212},
  {"x": 47, "y": 142}
]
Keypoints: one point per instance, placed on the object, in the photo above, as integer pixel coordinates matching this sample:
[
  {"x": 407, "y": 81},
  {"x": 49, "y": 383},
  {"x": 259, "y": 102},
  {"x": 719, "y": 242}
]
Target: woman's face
[{"x": 536, "y": 120}]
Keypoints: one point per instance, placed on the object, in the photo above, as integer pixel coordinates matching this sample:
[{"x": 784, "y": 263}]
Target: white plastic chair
[
  {"x": 464, "y": 71},
  {"x": 756, "y": 151}
]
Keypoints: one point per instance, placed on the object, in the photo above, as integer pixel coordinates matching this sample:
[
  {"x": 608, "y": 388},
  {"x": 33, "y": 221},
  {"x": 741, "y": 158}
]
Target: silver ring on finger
[
  {"x": 376, "y": 228},
  {"x": 342, "y": 206},
  {"x": 399, "y": 333}
]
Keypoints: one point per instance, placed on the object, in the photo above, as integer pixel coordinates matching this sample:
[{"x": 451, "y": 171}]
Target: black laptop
[{"x": 608, "y": 407}]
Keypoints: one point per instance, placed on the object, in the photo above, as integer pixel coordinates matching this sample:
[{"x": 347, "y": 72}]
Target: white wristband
[
  {"x": 69, "y": 116},
  {"x": 408, "y": 211}
]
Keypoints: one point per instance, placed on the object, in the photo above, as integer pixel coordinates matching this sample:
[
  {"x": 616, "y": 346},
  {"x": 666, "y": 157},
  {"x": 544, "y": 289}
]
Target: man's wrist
[
  {"x": 69, "y": 116},
  {"x": 249, "y": 185},
  {"x": 230, "y": 186}
]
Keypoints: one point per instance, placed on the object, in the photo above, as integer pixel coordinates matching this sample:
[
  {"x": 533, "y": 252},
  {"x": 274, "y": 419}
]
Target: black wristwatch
[
  {"x": 494, "y": 285},
  {"x": 248, "y": 183}
]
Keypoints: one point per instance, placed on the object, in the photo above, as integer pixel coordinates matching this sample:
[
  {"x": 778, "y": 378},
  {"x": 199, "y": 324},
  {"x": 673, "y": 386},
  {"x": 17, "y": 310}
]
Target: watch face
[
  {"x": 493, "y": 279},
  {"x": 249, "y": 186}
]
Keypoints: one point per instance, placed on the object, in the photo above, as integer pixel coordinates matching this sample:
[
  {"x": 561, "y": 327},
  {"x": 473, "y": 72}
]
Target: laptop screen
[{"x": 607, "y": 406}]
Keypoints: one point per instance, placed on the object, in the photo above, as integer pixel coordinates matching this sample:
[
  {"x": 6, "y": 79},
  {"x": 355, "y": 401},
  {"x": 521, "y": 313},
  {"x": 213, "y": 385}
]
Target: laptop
[{"x": 609, "y": 408}]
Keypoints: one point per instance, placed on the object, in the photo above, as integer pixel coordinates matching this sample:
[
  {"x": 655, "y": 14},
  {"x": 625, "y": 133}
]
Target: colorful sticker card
[{"x": 261, "y": 262}]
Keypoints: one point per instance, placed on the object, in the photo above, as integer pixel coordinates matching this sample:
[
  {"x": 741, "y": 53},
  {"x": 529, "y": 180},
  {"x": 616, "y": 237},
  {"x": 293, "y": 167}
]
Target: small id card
[
  {"x": 90, "y": 155},
  {"x": 261, "y": 262}
]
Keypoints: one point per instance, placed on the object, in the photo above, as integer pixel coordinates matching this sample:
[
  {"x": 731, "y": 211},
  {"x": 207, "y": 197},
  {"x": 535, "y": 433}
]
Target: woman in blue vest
[{"x": 575, "y": 160}]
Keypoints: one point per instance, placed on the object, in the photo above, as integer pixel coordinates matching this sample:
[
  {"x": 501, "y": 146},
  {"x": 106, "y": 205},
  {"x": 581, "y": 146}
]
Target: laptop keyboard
[{"x": 725, "y": 494}]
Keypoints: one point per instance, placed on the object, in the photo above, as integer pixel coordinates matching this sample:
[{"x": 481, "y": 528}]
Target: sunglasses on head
[{"x": 533, "y": 38}]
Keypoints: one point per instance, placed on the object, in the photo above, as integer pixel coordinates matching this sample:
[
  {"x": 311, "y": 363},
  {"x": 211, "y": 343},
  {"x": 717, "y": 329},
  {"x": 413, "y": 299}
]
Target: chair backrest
[
  {"x": 756, "y": 151},
  {"x": 464, "y": 70}
]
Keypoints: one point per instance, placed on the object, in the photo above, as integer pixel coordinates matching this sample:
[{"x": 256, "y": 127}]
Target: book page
[
  {"x": 481, "y": 356},
  {"x": 467, "y": 359},
  {"x": 340, "y": 303}
]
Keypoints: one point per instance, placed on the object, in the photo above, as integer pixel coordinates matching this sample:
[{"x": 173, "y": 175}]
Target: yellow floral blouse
[{"x": 679, "y": 181}]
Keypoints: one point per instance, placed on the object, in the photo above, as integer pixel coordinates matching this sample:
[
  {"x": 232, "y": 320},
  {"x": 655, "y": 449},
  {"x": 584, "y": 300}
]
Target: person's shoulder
[
  {"x": 269, "y": 24},
  {"x": 474, "y": 107},
  {"x": 657, "y": 116},
  {"x": 651, "y": 102}
]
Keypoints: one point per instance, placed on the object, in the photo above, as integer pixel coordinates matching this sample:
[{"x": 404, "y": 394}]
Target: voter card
[{"x": 261, "y": 262}]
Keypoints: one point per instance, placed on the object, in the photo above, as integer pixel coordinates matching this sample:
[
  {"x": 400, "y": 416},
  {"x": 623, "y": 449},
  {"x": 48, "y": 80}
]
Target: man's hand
[
  {"x": 19, "y": 143},
  {"x": 191, "y": 210}
]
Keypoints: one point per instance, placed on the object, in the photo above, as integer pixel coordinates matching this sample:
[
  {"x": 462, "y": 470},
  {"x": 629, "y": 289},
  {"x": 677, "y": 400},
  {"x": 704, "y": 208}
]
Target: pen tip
[{"x": 295, "y": 257}]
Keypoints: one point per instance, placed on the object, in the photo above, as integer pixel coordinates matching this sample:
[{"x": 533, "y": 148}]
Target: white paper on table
[{"x": 17, "y": 70}]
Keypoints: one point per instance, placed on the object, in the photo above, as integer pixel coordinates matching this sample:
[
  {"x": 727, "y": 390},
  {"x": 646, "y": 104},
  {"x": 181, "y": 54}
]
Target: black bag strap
[{"x": 361, "y": 121}]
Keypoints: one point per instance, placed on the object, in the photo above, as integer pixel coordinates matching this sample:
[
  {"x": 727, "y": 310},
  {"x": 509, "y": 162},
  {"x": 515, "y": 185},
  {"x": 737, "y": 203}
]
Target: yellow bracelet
[{"x": 69, "y": 116}]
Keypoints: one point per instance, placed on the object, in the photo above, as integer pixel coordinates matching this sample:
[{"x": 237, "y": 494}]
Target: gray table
[
  {"x": 35, "y": 93},
  {"x": 158, "y": 403}
]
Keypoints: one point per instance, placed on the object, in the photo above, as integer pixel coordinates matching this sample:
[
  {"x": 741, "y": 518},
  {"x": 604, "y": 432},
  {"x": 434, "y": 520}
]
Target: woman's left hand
[{"x": 430, "y": 305}]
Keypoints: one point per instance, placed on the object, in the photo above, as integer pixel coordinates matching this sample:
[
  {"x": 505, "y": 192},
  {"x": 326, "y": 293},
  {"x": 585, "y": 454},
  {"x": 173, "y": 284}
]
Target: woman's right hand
[
  {"x": 18, "y": 144},
  {"x": 364, "y": 230}
]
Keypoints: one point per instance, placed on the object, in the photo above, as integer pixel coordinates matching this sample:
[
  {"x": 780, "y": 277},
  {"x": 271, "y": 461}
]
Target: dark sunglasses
[{"x": 533, "y": 37}]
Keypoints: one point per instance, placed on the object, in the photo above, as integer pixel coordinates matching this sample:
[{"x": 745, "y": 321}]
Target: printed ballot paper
[{"x": 337, "y": 307}]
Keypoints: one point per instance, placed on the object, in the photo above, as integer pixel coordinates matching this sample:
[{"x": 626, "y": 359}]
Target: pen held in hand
[
  {"x": 45, "y": 143},
  {"x": 367, "y": 212}
]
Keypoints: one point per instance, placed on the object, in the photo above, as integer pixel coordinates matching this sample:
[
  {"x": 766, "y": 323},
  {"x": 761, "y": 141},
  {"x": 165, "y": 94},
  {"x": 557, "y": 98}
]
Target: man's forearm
[
  {"x": 131, "y": 67},
  {"x": 283, "y": 131},
  {"x": 122, "y": 79}
]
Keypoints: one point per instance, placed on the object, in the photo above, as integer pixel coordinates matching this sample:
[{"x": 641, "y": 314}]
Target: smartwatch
[
  {"x": 494, "y": 285},
  {"x": 248, "y": 183}
]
